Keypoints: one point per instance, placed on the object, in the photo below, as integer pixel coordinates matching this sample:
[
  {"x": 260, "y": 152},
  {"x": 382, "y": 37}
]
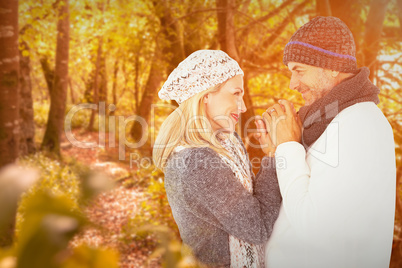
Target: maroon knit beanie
[{"x": 323, "y": 42}]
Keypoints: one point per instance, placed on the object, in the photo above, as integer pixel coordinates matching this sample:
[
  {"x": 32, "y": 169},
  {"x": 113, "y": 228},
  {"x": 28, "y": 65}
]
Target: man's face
[{"x": 312, "y": 82}]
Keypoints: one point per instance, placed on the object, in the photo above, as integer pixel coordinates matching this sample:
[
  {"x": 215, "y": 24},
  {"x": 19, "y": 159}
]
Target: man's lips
[
  {"x": 235, "y": 116},
  {"x": 303, "y": 90}
]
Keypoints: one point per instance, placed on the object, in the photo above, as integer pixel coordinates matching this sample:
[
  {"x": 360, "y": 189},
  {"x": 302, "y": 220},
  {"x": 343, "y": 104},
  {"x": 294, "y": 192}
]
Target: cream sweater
[{"x": 339, "y": 197}]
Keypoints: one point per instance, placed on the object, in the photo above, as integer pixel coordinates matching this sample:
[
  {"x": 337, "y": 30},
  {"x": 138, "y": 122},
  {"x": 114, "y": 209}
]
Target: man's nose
[{"x": 294, "y": 82}]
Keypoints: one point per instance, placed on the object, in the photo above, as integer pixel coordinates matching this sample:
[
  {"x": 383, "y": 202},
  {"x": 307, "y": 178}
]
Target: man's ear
[{"x": 334, "y": 74}]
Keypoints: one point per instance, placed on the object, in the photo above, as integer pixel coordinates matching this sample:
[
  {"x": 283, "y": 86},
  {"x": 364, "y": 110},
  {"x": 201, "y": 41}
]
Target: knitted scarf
[
  {"x": 317, "y": 116},
  {"x": 242, "y": 254}
]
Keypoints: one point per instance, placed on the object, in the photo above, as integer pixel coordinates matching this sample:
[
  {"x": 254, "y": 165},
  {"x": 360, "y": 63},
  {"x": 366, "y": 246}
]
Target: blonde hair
[{"x": 187, "y": 126}]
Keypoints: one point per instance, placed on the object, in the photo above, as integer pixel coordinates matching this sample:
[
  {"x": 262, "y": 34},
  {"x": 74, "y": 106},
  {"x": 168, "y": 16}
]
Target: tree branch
[
  {"x": 372, "y": 35},
  {"x": 254, "y": 57},
  {"x": 246, "y": 29},
  {"x": 284, "y": 23},
  {"x": 28, "y": 26}
]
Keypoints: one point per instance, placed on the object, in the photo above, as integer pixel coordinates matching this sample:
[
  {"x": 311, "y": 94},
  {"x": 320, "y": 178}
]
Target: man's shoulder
[
  {"x": 363, "y": 114},
  {"x": 364, "y": 123}
]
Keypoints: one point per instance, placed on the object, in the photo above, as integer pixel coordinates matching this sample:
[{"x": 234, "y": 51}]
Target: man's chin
[{"x": 307, "y": 99}]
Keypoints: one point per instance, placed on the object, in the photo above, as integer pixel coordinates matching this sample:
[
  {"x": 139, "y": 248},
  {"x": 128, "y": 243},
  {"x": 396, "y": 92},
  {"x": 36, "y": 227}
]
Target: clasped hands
[{"x": 278, "y": 124}]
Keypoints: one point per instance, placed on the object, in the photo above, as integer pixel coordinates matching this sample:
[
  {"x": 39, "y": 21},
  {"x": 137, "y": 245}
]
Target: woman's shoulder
[
  {"x": 192, "y": 155},
  {"x": 194, "y": 160}
]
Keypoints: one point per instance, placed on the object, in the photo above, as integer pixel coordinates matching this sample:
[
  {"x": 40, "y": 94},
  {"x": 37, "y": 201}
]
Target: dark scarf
[{"x": 317, "y": 116}]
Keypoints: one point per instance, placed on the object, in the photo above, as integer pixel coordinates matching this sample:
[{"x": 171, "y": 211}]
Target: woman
[{"x": 224, "y": 214}]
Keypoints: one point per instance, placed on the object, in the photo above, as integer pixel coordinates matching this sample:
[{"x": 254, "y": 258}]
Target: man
[{"x": 338, "y": 177}]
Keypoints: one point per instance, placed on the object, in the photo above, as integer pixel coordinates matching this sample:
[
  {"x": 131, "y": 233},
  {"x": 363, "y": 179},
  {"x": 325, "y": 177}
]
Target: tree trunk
[
  {"x": 137, "y": 84},
  {"x": 192, "y": 39},
  {"x": 48, "y": 72},
  {"x": 27, "y": 133},
  {"x": 54, "y": 128},
  {"x": 345, "y": 10},
  {"x": 227, "y": 40},
  {"x": 372, "y": 34},
  {"x": 323, "y": 8},
  {"x": 153, "y": 83},
  {"x": 103, "y": 78},
  {"x": 246, "y": 124},
  {"x": 95, "y": 97},
  {"x": 399, "y": 5},
  {"x": 349, "y": 12},
  {"x": 72, "y": 95},
  {"x": 114, "y": 88},
  {"x": 9, "y": 95},
  {"x": 222, "y": 6},
  {"x": 230, "y": 32},
  {"x": 9, "y": 84},
  {"x": 172, "y": 53}
]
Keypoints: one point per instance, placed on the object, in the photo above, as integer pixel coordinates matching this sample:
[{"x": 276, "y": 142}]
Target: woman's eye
[{"x": 237, "y": 93}]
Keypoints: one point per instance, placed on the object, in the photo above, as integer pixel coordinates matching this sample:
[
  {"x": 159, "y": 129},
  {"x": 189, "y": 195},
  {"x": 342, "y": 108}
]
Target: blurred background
[{"x": 66, "y": 206}]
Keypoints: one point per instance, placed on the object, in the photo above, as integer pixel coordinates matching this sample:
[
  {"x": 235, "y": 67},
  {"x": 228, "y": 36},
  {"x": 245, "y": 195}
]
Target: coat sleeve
[{"x": 210, "y": 187}]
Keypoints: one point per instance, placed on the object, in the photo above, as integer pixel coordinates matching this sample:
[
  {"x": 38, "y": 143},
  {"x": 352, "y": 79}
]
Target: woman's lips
[{"x": 235, "y": 116}]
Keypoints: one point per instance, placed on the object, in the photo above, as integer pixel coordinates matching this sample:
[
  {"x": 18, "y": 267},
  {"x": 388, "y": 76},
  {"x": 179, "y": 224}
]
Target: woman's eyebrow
[{"x": 240, "y": 89}]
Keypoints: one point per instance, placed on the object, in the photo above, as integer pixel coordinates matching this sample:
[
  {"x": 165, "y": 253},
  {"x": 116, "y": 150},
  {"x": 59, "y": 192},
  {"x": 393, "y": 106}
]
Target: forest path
[{"x": 111, "y": 210}]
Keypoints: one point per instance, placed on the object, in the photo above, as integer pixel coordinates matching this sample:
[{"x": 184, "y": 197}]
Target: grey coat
[{"x": 209, "y": 203}]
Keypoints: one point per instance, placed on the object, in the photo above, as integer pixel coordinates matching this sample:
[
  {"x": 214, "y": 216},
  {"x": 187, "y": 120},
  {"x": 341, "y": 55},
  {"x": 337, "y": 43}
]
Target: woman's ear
[{"x": 205, "y": 98}]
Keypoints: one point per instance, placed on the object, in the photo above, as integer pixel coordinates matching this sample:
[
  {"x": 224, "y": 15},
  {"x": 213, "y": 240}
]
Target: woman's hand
[{"x": 263, "y": 137}]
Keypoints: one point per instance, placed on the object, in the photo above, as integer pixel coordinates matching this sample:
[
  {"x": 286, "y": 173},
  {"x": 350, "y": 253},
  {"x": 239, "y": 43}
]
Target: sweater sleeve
[
  {"x": 270, "y": 193},
  {"x": 348, "y": 174},
  {"x": 271, "y": 196},
  {"x": 210, "y": 188}
]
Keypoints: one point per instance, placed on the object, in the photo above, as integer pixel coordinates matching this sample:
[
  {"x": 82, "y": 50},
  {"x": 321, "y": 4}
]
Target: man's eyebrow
[{"x": 296, "y": 68}]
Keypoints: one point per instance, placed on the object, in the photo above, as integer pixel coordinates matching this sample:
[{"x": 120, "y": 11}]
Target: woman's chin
[{"x": 227, "y": 130}]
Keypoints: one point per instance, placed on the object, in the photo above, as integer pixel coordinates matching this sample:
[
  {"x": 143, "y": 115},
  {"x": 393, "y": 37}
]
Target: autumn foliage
[{"x": 78, "y": 92}]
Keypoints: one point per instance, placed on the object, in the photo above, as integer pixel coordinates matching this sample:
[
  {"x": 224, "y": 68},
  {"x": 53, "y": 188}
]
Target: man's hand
[{"x": 283, "y": 123}]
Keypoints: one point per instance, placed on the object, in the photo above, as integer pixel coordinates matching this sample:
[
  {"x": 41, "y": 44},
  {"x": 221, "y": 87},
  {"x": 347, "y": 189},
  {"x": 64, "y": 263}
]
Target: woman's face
[{"x": 223, "y": 108}]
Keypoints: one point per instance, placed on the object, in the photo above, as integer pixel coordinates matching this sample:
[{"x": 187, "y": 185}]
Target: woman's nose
[{"x": 242, "y": 106}]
